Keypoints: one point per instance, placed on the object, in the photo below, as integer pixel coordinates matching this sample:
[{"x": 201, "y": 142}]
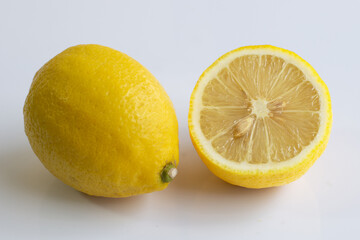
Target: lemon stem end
[{"x": 168, "y": 173}]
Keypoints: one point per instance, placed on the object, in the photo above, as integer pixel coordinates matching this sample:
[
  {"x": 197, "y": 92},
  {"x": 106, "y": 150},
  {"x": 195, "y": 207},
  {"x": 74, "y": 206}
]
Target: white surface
[{"x": 176, "y": 41}]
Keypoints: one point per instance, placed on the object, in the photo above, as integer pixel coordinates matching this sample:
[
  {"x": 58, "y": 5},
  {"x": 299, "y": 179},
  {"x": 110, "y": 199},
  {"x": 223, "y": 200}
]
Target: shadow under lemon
[
  {"x": 22, "y": 174},
  {"x": 208, "y": 198},
  {"x": 195, "y": 186}
]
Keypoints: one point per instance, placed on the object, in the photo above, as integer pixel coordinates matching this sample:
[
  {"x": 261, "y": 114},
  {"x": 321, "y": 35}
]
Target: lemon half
[{"x": 260, "y": 116}]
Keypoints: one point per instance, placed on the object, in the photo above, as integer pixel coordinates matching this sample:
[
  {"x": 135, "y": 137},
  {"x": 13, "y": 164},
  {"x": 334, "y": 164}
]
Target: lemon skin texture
[{"x": 101, "y": 123}]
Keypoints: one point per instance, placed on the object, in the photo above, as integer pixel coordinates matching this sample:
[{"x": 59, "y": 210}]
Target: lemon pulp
[
  {"x": 260, "y": 116},
  {"x": 283, "y": 103}
]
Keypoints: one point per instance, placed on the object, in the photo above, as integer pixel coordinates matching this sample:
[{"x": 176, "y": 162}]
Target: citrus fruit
[
  {"x": 260, "y": 116},
  {"x": 101, "y": 123}
]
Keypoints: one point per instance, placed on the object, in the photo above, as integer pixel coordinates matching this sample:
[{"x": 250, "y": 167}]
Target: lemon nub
[{"x": 168, "y": 173}]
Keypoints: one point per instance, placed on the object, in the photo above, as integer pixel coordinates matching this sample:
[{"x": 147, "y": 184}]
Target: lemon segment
[{"x": 260, "y": 116}]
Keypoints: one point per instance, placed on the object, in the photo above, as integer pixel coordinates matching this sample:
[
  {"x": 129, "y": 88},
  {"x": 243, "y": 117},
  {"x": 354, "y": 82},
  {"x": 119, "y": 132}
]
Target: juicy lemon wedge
[{"x": 260, "y": 116}]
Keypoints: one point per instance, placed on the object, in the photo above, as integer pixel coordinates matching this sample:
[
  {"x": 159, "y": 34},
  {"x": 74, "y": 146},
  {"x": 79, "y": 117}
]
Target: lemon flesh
[
  {"x": 260, "y": 116},
  {"x": 101, "y": 122}
]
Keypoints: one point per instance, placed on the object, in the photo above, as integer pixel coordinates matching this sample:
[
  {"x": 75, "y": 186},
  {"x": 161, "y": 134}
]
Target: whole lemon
[{"x": 100, "y": 122}]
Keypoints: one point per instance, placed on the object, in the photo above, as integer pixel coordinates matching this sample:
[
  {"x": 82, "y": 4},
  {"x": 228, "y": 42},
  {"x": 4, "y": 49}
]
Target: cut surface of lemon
[{"x": 260, "y": 116}]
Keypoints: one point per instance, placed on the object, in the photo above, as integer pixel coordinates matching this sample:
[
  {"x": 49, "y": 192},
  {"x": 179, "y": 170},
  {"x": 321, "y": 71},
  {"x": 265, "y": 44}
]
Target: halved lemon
[{"x": 260, "y": 116}]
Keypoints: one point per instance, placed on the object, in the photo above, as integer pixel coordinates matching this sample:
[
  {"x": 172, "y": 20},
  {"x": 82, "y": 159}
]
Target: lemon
[
  {"x": 100, "y": 122},
  {"x": 260, "y": 116}
]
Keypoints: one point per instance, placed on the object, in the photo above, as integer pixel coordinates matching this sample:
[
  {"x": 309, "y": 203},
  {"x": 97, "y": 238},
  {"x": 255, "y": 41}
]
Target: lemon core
[{"x": 260, "y": 108}]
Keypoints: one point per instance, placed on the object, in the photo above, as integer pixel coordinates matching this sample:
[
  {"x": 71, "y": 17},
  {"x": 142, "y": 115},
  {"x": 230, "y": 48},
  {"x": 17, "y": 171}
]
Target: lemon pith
[
  {"x": 260, "y": 116},
  {"x": 101, "y": 122}
]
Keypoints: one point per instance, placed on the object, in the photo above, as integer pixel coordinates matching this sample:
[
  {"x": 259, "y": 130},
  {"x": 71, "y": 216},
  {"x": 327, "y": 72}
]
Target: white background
[{"x": 176, "y": 41}]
